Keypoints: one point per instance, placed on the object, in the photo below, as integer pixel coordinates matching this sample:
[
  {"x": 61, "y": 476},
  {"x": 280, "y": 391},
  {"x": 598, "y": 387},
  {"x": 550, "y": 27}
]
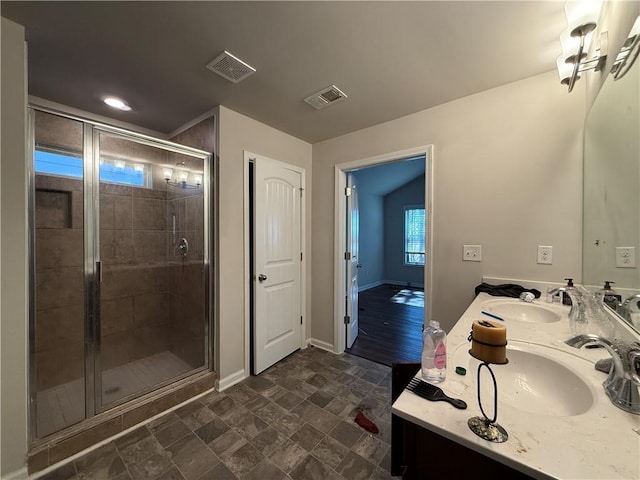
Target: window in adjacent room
[{"x": 414, "y": 235}]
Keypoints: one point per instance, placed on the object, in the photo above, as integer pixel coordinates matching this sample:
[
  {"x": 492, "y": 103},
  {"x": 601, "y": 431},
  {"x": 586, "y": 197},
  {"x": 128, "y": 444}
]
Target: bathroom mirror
[{"x": 612, "y": 184}]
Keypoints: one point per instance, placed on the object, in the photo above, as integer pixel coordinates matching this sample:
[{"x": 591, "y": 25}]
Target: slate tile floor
[{"x": 295, "y": 422}]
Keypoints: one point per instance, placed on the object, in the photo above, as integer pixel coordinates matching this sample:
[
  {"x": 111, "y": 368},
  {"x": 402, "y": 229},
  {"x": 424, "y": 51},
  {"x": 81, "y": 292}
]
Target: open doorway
[{"x": 383, "y": 293}]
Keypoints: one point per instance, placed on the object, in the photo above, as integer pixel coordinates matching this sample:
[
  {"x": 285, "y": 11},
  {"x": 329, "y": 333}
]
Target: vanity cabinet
[
  {"x": 417, "y": 453},
  {"x": 427, "y": 455},
  {"x": 551, "y": 403}
]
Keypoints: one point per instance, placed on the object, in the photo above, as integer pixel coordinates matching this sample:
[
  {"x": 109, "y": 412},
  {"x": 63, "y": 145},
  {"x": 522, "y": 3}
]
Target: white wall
[
  {"x": 236, "y": 134},
  {"x": 13, "y": 252},
  {"x": 412, "y": 193},
  {"x": 508, "y": 176}
]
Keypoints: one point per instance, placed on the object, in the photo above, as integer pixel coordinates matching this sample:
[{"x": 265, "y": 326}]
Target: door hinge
[
  {"x": 301, "y": 190},
  {"x": 347, "y": 191},
  {"x": 347, "y": 319},
  {"x": 347, "y": 255},
  {"x": 300, "y": 256},
  {"x": 300, "y": 319}
]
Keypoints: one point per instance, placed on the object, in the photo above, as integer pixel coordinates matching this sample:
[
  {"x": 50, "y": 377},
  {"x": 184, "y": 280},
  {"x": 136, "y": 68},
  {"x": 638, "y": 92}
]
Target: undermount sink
[
  {"x": 534, "y": 381},
  {"x": 521, "y": 311}
]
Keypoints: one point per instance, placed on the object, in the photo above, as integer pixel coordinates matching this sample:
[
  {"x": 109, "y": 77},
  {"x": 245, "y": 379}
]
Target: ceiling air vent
[
  {"x": 230, "y": 67},
  {"x": 325, "y": 97}
]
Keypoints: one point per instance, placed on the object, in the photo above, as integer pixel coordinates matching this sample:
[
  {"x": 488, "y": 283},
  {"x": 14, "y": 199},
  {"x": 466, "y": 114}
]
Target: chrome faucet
[
  {"x": 625, "y": 309},
  {"x": 623, "y": 383},
  {"x": 555, "y": 292}
]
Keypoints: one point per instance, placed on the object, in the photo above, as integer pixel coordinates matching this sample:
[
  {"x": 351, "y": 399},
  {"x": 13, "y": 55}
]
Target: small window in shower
[
  {"x": 55, "y": 162},
  {"x": 112, "y": 170}
]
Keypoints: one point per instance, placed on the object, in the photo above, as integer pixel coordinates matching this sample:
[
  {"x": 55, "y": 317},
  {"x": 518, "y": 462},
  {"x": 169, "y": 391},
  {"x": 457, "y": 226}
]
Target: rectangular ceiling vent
[
  {"x": 325, "y": 97},
  {"x": 230, "y": 67}
]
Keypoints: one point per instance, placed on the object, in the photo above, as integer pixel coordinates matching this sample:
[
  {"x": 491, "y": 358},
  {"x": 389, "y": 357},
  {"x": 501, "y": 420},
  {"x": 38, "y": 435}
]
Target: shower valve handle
[{"x": 182, "y": 249}]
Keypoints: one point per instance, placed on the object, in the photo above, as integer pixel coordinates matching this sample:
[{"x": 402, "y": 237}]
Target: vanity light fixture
[
  {"x": 576, "y": 39},
  {"x": 183, "y": 178},
  {"x": 118, "y": 103},
  {"x": 628, "y": 54}
]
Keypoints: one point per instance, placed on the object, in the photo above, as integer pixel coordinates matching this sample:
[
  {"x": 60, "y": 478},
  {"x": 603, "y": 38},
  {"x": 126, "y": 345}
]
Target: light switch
[{"x": 472, "y": 253}]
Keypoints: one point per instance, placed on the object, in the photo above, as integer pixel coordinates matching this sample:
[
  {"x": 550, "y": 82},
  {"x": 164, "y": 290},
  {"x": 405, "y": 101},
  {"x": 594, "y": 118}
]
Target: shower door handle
[
  {"x": 262, "y": 277},
  {"x": 99, "y": 271}
]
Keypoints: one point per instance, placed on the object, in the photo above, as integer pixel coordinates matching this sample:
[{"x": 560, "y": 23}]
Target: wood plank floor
[{"x": 388, "y": 332}]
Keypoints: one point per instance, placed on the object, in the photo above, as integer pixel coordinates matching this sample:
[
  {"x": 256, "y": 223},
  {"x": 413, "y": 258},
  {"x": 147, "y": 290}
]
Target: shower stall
[{"x": 120, "y": 281}]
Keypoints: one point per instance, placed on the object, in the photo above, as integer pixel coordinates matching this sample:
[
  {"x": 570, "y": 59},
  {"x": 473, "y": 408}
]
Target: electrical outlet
[
  {"x": 545, "y": 255},
  {"x": 472, "y": 253},
  {"x": 626, "y": 257}
]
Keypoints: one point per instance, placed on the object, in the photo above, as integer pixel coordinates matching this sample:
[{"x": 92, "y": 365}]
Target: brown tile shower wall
[
  {"x": 55, "y": 131},
  {"x": 188, "y": 297},
  {"x": 59, "y": 262},
  {"x": 135, "y": 287},
  {"x": 59, "y": 336},
  {"x": 135, "y": 305}
]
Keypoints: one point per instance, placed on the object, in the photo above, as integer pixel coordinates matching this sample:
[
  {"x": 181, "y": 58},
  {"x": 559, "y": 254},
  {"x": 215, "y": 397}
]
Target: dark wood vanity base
[{"x": 429, "y": 455}]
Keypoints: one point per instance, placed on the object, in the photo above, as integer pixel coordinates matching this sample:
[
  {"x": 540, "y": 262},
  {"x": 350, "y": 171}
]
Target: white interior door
[
  {"x": 277, "y": 252},
  {"x": 353, "y": 227}
]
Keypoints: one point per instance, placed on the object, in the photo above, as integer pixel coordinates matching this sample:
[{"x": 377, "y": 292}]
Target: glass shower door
[
  {"x": 152, "y": 264},
  {"x": 57, "y": 378},
  {"x": 119, "y": 261}
]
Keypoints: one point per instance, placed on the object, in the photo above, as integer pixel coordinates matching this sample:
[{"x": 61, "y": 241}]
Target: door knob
[{"x": 262, "y": 277}]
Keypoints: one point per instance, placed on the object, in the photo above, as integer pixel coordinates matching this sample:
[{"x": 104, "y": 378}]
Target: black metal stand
[{"x": 484, "y": 427}]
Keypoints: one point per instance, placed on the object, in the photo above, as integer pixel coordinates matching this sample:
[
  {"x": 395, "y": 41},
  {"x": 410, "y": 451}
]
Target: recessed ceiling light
[{"x": 116, "y": 103}]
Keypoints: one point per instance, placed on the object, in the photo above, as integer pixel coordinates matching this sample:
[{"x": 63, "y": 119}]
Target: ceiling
[{"x": 391, "y": 58}]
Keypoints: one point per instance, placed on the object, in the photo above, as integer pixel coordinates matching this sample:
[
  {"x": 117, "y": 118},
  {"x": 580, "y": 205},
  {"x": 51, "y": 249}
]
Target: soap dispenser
[
  {"x": 566, "y": 298},
  {"x": 609, "y": 296}
]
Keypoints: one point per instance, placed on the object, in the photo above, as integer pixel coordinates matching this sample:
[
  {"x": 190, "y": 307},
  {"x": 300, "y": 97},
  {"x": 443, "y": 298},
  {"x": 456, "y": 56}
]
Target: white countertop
[{"x": 601, "y": 443}]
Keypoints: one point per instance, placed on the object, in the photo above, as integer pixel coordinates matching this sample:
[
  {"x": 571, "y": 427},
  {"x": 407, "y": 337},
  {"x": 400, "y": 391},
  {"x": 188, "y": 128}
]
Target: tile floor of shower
[
  {"x": 63, "y": 405},
  {"x": 293, "y": 422}
]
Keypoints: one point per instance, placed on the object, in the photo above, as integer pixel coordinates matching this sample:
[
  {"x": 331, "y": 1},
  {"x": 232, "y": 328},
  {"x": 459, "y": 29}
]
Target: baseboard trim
[
  {"x": 230, "y": 380},
  {"x": 399, "y": 283},
  {"x": 320, "y": 344},
  {"x": 404, "y": 283},
  {"x": 17, "y": 475},
  {"x": 362, "y": 288}
]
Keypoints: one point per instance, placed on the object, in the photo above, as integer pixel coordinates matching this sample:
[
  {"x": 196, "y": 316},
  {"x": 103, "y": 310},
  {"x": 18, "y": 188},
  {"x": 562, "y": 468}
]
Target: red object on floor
[{"x": 365, "y": 423}]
